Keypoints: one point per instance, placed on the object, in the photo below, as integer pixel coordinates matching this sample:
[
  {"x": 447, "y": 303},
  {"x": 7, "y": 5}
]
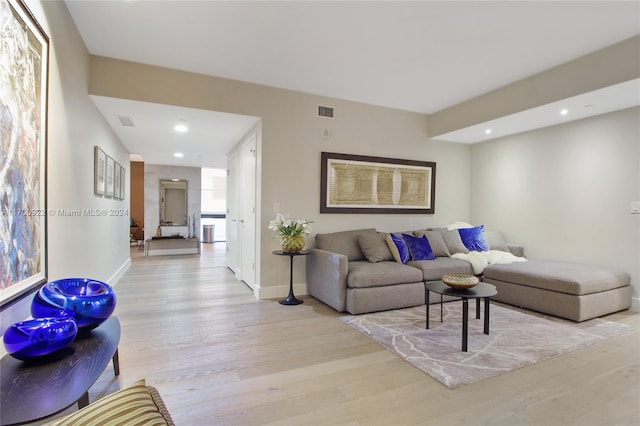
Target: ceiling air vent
[
  {"x": 126, "y": 121},
  {"x": 325, "y": 111}
]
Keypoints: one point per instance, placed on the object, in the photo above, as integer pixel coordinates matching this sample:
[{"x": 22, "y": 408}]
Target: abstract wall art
[{"x": 24, "y": 57}]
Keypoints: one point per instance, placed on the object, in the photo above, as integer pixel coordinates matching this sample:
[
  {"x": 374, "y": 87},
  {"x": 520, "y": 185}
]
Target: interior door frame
[{"x": 248, "y": 254}]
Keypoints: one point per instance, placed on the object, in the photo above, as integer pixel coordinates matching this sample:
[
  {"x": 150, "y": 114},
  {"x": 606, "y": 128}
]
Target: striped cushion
[{"x": 133, "y": 405}]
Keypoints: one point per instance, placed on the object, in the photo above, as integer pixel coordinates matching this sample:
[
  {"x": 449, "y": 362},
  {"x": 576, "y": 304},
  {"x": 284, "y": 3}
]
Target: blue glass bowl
[
  {"x": 88, "y": 301},
  {"x": 39, "y": 337}
]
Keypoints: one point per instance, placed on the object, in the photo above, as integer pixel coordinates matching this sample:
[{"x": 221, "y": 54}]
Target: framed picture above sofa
[{"x": 364, "y": 184}]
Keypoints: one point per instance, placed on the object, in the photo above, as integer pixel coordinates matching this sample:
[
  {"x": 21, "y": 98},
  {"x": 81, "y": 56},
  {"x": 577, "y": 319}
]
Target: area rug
[{"x": 517, "y": 339}]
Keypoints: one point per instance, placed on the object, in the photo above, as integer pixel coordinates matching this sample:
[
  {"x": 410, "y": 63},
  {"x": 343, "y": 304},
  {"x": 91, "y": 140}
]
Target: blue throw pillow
[
  {"x": 401, "y": 245},
  {"x": 473, "y": 238},
  {"x": 419, "y": 248}
]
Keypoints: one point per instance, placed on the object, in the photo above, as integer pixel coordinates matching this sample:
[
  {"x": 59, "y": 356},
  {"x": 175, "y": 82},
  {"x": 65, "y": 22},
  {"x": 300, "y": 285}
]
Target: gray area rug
[{"x": 517, "y": 339}]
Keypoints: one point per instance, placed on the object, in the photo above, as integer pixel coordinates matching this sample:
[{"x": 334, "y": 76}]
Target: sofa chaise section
[{"x": 569, "y": 290}]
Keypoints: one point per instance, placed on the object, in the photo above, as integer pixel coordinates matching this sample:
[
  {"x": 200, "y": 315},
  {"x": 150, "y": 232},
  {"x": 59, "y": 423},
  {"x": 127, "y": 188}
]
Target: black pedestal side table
[{"x": 291, "y": 299}]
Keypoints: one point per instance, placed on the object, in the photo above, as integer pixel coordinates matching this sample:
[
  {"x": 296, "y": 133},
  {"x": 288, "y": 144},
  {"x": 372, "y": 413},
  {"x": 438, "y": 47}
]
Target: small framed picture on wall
[
  {"x": 100, "y": 169},
  {"x": 109, "y": 179}
]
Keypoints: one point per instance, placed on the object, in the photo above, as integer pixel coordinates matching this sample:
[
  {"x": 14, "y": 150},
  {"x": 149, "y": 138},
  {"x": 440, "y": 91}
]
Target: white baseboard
[
  {"x": 113, "y": 280},
  {"x": 280, "y": 291}
]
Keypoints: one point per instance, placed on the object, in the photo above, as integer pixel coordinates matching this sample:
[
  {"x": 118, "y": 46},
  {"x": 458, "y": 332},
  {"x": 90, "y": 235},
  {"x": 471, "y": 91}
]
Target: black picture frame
[
  {"x": 365, "y": 184},
  {"x": 99, "y": 171}
]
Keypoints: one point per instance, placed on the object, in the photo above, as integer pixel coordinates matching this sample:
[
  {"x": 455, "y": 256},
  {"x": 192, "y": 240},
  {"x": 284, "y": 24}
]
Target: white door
[
  {"x": 233, "y": 216},
  {"x": 248, "y": 208}
]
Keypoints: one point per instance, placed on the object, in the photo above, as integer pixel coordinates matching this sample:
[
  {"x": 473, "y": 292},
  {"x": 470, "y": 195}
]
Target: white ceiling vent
[
  {"x": 325, "y": 111},
  {"x": 126, "y": 121}
]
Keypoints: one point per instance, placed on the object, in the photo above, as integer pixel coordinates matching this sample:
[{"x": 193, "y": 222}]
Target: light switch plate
[{"x": 635, "y": 207}]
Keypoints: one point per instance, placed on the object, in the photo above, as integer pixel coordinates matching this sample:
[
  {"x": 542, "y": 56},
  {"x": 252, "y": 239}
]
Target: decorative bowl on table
[
  {"x": 39, "y": 337},
  {"x": 89, "y": 302},
  {"x": 460, "y": 281}
]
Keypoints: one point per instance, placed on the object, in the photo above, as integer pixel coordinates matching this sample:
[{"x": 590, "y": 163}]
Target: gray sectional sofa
[{"x": 356, "y": 271}]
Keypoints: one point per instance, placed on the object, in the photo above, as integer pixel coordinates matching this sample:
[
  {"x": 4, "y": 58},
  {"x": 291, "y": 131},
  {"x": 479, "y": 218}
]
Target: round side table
[{"x": 291, "y": 299}]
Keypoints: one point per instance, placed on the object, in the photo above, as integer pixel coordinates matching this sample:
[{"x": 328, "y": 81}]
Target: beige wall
[
  {"x": 289, "y": 173},
  {"x": 556, "y": 159},
  {"x": 564, "y": 192},
  {"x": 77, "y": 246}
]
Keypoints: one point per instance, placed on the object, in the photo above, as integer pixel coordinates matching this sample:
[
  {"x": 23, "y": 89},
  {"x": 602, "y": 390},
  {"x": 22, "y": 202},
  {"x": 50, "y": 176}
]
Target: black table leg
[
  {"x": 465, "y": 323},
  {"x": 441, "y": 316},
  {"x": 116, "y": 363},
  {"x": 84, "y": 400},
  {"x": 291, "y": 299},
  {"x": 426, "y": 298},
  {"x": 477, "y": 308},
  {"x": 486, "y": 315}
]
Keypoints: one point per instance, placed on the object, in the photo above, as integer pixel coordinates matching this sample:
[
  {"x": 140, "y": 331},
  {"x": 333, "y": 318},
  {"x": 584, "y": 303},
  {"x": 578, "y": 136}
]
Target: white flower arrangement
[{"x": 284, "y": 226}]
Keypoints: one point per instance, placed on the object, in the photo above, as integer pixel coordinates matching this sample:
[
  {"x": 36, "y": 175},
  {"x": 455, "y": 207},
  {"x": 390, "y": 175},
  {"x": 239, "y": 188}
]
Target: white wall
[
  {"x": 77, "y": 246},
  {"x": 291, "y": 165},
  {"x": 152, "y": 175},
  {"x": 564, "y": 192}
]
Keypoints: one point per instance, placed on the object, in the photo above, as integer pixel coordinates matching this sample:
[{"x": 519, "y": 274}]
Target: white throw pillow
[{"x": 458, "y": 225}]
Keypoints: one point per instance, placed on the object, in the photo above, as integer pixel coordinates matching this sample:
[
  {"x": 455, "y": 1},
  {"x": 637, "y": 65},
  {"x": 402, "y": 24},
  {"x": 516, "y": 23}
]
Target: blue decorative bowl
[
  {"x": 39, "y": 337},
  {"x": 88, "y": 301}
]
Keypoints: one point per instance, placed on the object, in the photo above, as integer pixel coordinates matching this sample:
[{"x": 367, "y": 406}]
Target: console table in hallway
[{"x": 169, "y": 246}]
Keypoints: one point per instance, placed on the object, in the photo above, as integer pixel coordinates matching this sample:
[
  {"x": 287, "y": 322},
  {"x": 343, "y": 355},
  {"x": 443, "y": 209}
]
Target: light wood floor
[{"x": 218, "y": 356}]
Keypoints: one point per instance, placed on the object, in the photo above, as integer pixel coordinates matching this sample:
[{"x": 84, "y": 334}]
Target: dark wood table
[
  {"x": 481, "y": 291},
  {"x": 37, "y": 389},
  {"x": 291, "y": 299}
]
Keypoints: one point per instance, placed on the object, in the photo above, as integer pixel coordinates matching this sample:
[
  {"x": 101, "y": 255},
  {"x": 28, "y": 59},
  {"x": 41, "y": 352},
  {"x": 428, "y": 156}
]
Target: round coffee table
[{"x": 481, "y": 291}]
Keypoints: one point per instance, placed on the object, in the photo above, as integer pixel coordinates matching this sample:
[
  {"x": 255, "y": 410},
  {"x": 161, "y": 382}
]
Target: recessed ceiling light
[
  {"x": 178, "y": 155},
  {"x": 564, "y": 112},
  {"x": 488, "y": 131},
  {"x": 181, "y": 126}
]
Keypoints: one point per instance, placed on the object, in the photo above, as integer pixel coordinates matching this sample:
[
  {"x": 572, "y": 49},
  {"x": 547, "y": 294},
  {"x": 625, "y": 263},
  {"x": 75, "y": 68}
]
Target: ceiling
[
  {"x": 418, "y": 56},
  {"x": 153, "y": 139}
]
